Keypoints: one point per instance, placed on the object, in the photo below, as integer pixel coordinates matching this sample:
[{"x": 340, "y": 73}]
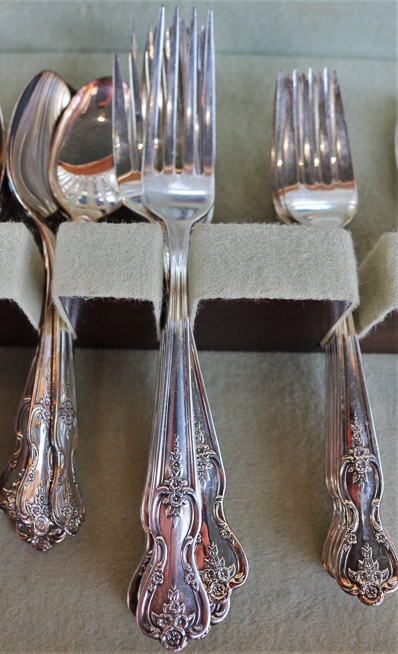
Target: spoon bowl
[{"x": 81, "y": 171}]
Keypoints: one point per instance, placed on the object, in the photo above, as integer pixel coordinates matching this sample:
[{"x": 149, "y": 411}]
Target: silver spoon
[
  {"x": 81, "y": 172},
  {"x": 49, "y": 502}
]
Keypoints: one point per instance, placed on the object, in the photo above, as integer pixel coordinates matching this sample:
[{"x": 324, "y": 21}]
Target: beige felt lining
[
  {"x": 271, "y": 261},
  {"x": 21, "y": 270},
  {"x": 226, "y": 261},
  {"x": 268, "y": 409},
  {"x": 378, "y": 280},
  {"x": 106, "y": 260}
]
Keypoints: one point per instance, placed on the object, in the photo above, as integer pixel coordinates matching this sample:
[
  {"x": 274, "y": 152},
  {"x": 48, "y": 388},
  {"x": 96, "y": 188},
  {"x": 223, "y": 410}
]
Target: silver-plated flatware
[
  {"x": 47, "y": 505},
  {"x": 223, "y": 564},
  {"x": 313, "y": 182}
]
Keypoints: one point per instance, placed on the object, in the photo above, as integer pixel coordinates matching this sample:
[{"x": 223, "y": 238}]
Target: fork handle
[
  {"x": 366, "y": 562},
  {"x": 173, "y": 604}
]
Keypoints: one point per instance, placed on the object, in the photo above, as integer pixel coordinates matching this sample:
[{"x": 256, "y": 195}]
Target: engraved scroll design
[
  {"x": 32, "y": 500},
  {"x": 66, "y": 497},
  {"x": 175, "y": 489},
  {"x": 359, "y": 456},
  {"x": 367, "y": 581},
  {"x": 172, "y": 625},
  {"x": 14, "y": 471},
  {"x": 218, "y": 541},
  {"x": 204, "y": 456},
  {"x": 215, "y": 530},
  {"x": 216, "y": 576}
]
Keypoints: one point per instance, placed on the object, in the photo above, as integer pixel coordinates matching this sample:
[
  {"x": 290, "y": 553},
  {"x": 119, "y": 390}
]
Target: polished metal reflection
[
  {"x": 38, "y": 487},
  {"x": 82, "y": 174},
  {"x": 313, "y": 182},
  {"x": 4, "y": 193},
  {"x": 228, "y": 553},
  {"x": 184, "y": 450}
]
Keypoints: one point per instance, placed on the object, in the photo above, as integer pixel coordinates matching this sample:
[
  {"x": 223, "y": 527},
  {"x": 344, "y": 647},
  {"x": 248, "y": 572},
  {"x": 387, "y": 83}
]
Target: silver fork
[
  {"x": 229, "y": 568},
  {"x": 313, "y": 182},
  {"x": 217, "y": 576}
]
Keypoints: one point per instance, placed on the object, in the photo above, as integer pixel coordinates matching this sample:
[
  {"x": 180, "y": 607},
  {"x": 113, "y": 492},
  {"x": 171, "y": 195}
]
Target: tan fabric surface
[
  {"x": 21, "y": 270},
  {"x": 226, "y": 261},
  {"x": 271, "y": 261},
  {"x": 100, "y": 260},
  {"x": 269, "y": 413},
  {"x": 378, "y": 278}
]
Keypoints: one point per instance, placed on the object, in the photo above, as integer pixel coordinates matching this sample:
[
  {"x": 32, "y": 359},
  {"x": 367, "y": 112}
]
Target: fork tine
[
  {"x": 153, "y": 104},
  {"x": 277, "y": 148},
  {"x": 120, "y": 131},
  {"x": 297, "y": 111},
  {"x": 146, "y": 70},
  {"x": 170, "y": 118},
  {"x": 136, "y": 136},
  {"x": 342, "y": 143},
  {"x": 313, "y": 101},
  {"x": 324, "y": 131},
  {"x": 209, "y": 98},
  {"x": 307, "y": 134},
  {"x": 331, "y": 124},
  {"x": 190, "y": 105},
  {"x": 289, "y": 169},
  {"x": 183, "y": 50}
]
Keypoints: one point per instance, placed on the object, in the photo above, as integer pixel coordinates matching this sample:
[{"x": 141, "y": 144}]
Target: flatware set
[{"x": 150, "y": 146}]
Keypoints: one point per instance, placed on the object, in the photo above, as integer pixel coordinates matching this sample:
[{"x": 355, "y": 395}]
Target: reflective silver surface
[
  {"x": 219, "y": 555},
  {"x": 38, "y": 486},
  {"x": 313, "y": 182},
  {"x": 82, "y": 175},
  {"x": 181, "y": 511},
  {"x": 4, "y": 194}
]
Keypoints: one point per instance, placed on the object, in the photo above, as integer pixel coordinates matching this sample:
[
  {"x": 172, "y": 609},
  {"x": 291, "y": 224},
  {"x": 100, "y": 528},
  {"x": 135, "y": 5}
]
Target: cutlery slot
[
  {"x": 266, "y": 325},
  {"x": 112, "y": 322},
  {"x": 251, "y": 287},
  {"x": 15, "y": 328}
]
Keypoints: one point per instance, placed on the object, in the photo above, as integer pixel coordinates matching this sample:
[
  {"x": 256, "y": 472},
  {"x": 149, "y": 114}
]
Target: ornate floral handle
[
  {"x": 223, "y": 564},
  {"x": 66, "y": 497},
  {"x": 35, "y": 522},
  {"x": 221, "y": 560},
  {"x": 38, "y": 487},
  {"x": 365, "y": 561},
  {"x": 173, "y": 604},
  {"x": 12, "y": 474}
]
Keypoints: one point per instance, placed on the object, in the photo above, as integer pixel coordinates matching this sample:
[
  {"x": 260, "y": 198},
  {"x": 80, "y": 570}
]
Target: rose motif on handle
[
  {"x": 173, "y": 623},
  {"x": 369, "y": 577}
]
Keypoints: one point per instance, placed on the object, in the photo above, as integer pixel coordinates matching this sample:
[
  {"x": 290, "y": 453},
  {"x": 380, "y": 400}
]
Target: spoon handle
[
  {"x": 12, "y": 474},
  {"x": 66, "y": 497},
  {"x": 366, "y": 563},
  {"x": 32, "y": 501}
]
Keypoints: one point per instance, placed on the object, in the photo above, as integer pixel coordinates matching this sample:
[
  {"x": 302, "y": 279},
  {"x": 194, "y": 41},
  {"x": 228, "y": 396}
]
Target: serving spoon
[{"x": 48, "y": 500}]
